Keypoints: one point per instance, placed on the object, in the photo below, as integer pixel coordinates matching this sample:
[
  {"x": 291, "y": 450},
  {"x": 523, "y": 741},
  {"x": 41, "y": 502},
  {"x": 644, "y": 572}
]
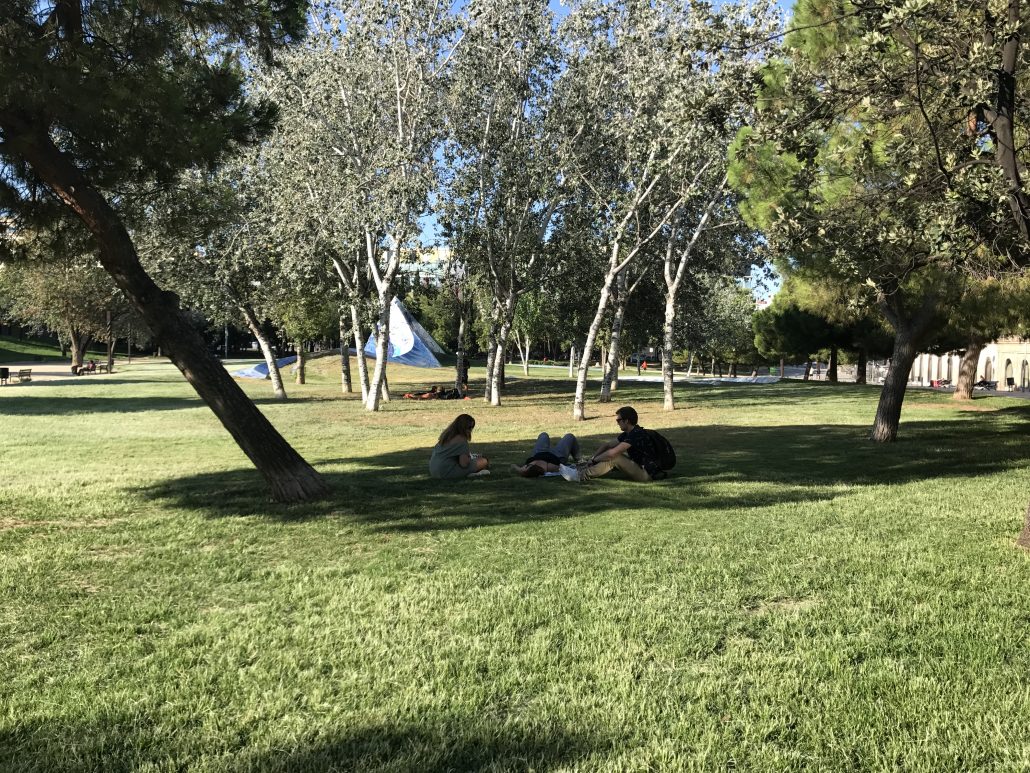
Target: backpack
[{"x": 664, "y": 453}]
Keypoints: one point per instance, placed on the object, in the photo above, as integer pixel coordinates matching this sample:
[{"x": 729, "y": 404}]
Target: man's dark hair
[{"x": 628, "y": 414}]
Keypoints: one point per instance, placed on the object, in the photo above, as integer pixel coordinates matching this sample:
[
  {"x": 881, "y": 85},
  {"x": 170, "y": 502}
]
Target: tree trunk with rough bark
[
  {"x": 375, "y": 386},
  {"x": 288, "y": 476},
  {"x": 346, "y": 383},
  {"x": 524, "y": 346},
  {"x": 491, "y": 363},
  {"x": 610, "y": 368},
  {"x": 888, "y": 410},
  {"x": 459, "y": 365},
  {"x": 110, "y": 342},
  {"x": 302, "y": 358},
  {"x": 579, "y": 403},
  {"x": 808, "y": 370},
  {"x": 1024, "y": 537},
  {"x": 862, "y": 366},
  {"x": 79, "y": 344},
  {"x": 967, "y": 371},
  {"x": 359, "y": 348},
  {"x": 498, "y": 371},
  {"x": 831, "y": 369},
  {"x": 266, "y": 351},
  {"x": 668, "y": 332}
]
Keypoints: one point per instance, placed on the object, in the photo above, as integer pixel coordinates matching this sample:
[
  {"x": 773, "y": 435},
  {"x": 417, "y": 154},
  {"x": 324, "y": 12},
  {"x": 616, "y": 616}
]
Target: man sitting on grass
[{"x": 632, "y": 451}]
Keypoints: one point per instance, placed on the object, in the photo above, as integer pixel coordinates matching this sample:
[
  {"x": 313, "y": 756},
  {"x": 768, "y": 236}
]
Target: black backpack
[{"x": 664, "y": 453}]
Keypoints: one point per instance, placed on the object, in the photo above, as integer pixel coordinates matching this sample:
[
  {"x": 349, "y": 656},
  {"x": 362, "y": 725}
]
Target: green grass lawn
[
  {"x": 28, "y": 350},
  {"x": 792, "y": 597}
]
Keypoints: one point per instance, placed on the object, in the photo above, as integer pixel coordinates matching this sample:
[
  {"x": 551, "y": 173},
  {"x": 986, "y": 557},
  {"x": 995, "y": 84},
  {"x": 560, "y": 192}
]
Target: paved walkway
[{"x": 47, "y": 371}]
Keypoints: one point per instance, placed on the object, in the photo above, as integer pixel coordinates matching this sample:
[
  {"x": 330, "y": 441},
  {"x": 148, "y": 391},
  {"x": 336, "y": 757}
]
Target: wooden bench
[{"x": 25, "y": 374}]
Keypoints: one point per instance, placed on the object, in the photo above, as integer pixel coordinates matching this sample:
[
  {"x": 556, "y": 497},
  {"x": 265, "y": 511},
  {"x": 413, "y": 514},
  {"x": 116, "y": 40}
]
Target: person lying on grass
[
  {"x": 436, "y": 393},
  {"x": 452, "y": 458},
  {"x": 632, "y": 451},
  {"x": 432, "y": 394},
  {"x": 547, "y": 459}
]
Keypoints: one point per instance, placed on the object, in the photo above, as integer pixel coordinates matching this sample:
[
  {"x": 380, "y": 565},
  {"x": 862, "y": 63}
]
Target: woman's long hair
[{"x": 463, "y": 425}]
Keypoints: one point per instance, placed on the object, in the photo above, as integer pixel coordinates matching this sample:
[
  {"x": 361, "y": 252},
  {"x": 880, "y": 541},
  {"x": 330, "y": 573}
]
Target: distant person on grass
[
  {"x": 632, "y": 451},
  {"x": 452, "y": 458},
  {"x": 547, "y": 459}
]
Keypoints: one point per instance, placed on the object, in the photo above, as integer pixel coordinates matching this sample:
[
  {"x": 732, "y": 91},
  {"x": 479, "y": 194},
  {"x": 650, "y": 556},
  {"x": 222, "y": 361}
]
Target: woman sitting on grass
[{"x": 452, "y": 459}]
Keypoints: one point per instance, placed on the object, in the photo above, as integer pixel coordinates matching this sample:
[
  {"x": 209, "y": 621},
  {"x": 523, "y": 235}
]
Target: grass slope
[
  {"x": 26, "y": 350},
  {"x": 793, "y": 598}
]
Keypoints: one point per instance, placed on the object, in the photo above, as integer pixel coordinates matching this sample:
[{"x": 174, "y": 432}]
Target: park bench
[{"x": 25, "y": 374}]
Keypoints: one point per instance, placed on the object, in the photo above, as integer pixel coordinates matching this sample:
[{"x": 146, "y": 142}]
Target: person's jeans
[{"x": 567, "y": 445}]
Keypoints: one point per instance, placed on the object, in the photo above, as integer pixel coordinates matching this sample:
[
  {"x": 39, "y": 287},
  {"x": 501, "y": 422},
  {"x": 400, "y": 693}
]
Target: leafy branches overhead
[
  {"x": 502, "y": 191},
  {"x": 355, "y": 152}
]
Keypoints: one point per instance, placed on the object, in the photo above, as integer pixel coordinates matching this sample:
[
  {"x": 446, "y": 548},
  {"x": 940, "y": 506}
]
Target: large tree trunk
[
  {"x": 524, "y": 344},
  {"x": 862, "y": 366},
  {"x": 491, "y": 363},
  {"x": 831, "y": 368},
  {"x": 289, "y": 477},
  {"x": 1024, "y": 537},
  {"x": 359, "y": 348},
  {"x": 1002, "y": 118},
  {"x": 967, "y": 371},
  {"x": 375, "y": 386},
  {"x": 301, "y": 373},
  {"x": 888, "y": 411},
  {"x": 614, "y": 350},
  {"x": 459, "y": 367},
  {"x": 345, "y": 377},
  {"x": 808, "y": 370},
  {"x": 79, "y": 343},
  {"x": 578, "y": 405},
  {"x": 110, "y": 342},
  {"x": 668, "y": 329},
  {"x": 266, "y": 351},
  {"x": 498, "y": 372}
]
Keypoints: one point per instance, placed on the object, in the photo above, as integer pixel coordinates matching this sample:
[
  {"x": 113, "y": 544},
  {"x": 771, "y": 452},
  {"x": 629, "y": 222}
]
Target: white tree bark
[
  {"x": 266, "y": 351},
  {"x": 359, "y": 348},
  {"x": 378, "y": 380}
]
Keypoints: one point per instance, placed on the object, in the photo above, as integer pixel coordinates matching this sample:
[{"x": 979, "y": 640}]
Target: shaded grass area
[
  {"x": 23, "y": 350},
  {"x": 792, "y": 598}
]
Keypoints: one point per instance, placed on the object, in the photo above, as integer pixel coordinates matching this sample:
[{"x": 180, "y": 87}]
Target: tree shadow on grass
[
  {"x": 111, "y": 743},
  {"x": 70, "y": 406},
  {"x": 430, "y": 749},
  {"x": 719, "y": 468}
]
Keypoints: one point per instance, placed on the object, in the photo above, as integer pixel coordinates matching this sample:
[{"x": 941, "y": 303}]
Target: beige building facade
[{"x": 1006, "y": 361}]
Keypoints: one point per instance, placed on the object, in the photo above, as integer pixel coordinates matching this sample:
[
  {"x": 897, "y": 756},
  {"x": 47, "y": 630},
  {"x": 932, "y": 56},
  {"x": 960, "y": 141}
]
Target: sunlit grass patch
[{"x": 793, "y": 597}]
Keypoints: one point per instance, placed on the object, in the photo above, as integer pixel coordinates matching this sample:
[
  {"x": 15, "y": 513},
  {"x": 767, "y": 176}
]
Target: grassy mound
[{"x": 27, "y": 350}]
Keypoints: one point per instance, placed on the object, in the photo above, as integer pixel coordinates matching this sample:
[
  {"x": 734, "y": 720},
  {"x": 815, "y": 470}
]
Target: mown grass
[
  {"x": 793, "y": 598},
  {"x": 25, "y": 350}
]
